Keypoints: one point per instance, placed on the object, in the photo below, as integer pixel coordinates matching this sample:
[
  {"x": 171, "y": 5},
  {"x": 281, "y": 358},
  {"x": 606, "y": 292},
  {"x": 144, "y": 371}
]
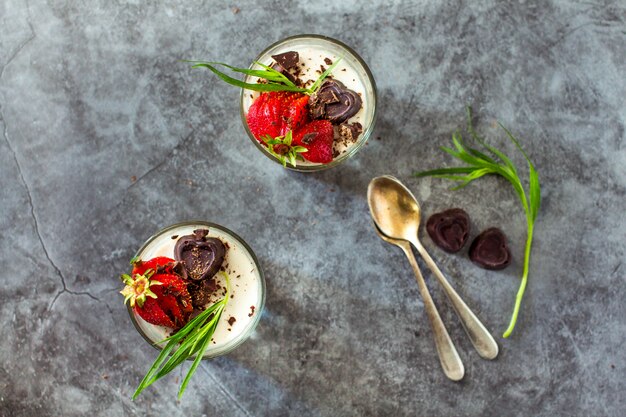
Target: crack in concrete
[
  {"x": 178, "y": 146},
  {"x": 36, "y": 222},
  {"x": 20, "y": 47},
  {"x": 227, "y": 393}
]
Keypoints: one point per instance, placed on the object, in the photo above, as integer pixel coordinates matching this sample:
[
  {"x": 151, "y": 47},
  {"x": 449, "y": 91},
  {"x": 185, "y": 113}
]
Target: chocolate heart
[
  {"x": 489, "y": 250},
  {"x": 201, "y": 256},
  {"x": 335, "y": 102},
  {"x": 449, "y": 229}
]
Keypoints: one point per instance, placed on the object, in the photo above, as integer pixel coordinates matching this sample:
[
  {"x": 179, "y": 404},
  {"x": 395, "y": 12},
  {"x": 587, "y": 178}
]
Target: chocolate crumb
[
  {"x": 251, "y": 311},
  {"x": 231, "y": 320},
  {"x": 133, "y": 178},
  {"x": 328, "y": 61}
]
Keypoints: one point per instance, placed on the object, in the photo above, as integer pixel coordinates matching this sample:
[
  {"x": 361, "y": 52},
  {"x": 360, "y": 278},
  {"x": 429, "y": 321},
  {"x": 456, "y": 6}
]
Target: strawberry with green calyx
[
  {"x": 137, "y": 288},
  {"x": 157, "y": 293},
  {"x": 281, "y": 147}
]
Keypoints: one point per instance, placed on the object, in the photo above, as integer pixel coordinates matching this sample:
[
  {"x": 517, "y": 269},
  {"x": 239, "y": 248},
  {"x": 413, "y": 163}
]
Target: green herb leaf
[
  {"x": 251, "y": 86},
  {"x": 322, "y": 77},
  {"x": 276, "y": 81},
  {"x": 192, "y": 339},
  {"x": 480, "y": 165},
  {"x": 288, "y": 152}
]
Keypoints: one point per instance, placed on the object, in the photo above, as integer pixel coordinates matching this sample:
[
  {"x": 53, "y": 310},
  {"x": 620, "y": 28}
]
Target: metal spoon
[
  {"x": 448, "y": 356},
  {"x": 397, "y": 214}
]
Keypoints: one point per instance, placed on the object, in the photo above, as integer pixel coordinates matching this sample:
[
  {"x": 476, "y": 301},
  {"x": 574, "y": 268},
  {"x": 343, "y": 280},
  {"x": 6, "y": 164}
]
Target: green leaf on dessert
[
  {"x": 322, "y": 77},
  {"x": 479, "y": 165},
  {"x": 134, "y": 260},
  {"x": 192, "y": 339},
  {"x": 287, "y": 152},
  {"x": 273, "y": 77},
  {"x": 275, "y": 80}
]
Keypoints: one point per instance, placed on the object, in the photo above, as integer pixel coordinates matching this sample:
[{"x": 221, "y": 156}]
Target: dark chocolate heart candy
[
  {"x": 449, "y": 229},
  {"x": 201, "y": 256},
  {"x": 489, "y": 250},
  {"x": 335, "y": 102}
]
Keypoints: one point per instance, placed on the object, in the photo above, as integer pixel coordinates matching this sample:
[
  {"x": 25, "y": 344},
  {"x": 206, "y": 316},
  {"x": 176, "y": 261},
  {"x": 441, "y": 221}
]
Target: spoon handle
[
  {"x": 480, "y": 337},
  {"x": 448, "y": 356}
]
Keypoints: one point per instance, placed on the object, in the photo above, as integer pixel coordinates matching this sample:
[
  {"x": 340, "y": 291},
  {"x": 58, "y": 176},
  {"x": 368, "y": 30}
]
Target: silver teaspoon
[
  {"x": 448, "y": 356},
  {"x": 397, "y": 214}
]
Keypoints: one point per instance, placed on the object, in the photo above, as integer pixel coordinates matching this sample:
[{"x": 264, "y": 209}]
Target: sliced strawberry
[
  {"x": 276, "y": 112},
  {"x": 317, "y": 136},
  {"x": 295, "y": 112},
  {"x": 154, "y": 314},
  {"x": 264, "y": 116},
  {"x": 140, "y": 267},
  {"x": 172, "y": 306}
]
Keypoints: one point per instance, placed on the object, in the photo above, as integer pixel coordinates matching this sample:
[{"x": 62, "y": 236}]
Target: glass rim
[
  {"x": 245, "y": 334},
  {"x": 364, "y": 136}
]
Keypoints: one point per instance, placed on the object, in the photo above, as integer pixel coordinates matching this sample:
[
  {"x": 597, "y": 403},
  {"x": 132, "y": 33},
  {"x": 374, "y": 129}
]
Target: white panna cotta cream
[
  {"x": 315, "y": 53},
  {"x": 247, "y": 286}
]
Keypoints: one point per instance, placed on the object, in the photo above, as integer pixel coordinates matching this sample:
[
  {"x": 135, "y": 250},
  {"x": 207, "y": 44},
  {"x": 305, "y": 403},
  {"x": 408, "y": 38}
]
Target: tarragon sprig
[
  {"x": 282, "y": 148},
  {"x": 192, "y": 339},
  {"x": 275, "y": 80},
  {"x": 480, "y": 164}
]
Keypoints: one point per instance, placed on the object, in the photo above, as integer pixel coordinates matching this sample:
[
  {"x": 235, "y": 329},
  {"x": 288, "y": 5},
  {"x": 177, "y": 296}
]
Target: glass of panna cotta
[
  {"x": 316, "y": 53},
  {"x": 247, "y": 287}
]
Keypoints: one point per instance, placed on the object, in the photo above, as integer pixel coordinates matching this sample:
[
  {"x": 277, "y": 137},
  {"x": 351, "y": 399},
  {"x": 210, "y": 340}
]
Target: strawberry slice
[
  {"x": 276, "y": 112},
  {"x": 317, "y": 137},
  {"x": 154, "y": 314}
]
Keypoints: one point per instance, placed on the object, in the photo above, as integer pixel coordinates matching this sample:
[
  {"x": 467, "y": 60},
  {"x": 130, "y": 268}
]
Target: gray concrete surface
[{"x": 106, "y": 137}]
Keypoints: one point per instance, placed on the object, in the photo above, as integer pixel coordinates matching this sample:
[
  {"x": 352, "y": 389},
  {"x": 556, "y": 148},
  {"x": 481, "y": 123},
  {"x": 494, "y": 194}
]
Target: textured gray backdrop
[{"x": 106, "y": 137}]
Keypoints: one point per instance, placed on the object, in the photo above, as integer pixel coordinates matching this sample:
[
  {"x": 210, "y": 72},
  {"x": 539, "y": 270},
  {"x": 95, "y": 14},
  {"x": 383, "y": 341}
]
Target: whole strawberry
[{"x": 317, "y": 137}]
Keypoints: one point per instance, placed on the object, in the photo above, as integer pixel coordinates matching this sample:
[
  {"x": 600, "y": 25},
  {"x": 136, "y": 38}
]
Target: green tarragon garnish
[{"x": 479, "y": 164}]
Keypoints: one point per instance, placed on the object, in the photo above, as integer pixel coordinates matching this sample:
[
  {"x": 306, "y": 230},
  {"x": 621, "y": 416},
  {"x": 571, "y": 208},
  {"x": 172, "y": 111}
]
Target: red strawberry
[
  {"x": 140, "y": 267},
  {"x": 296, "y": 114},
  {"x": 161, "y": 299},
  {"x": 276, "y": 112},
  {"x": 154, "y": 314},
  {"x": 317, "y": 137}
]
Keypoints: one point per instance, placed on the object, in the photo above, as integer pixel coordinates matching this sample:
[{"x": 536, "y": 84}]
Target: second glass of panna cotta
[
  {"x": 315, "y": 54},
  {"x": 247, "y": 286}
]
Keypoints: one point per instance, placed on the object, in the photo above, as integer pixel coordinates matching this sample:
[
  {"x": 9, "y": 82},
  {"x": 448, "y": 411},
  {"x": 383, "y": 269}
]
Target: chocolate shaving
[
  {"x": 287, "y": 60},
  {"x": 286, "y": 73},
  {"x": 308, "y": 138}
]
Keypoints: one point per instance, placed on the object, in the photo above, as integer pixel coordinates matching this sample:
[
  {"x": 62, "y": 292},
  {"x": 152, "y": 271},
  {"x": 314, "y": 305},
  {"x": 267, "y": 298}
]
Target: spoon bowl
[{"x": 394, "y": 209}]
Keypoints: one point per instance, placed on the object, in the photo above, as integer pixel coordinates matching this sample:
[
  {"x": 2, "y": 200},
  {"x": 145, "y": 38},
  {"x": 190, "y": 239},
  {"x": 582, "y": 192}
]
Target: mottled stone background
[{"x": 107, "y": 137}]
